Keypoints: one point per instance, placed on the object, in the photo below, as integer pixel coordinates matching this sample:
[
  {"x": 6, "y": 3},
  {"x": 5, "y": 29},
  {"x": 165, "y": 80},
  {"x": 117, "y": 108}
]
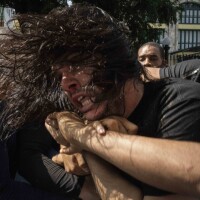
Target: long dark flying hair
[{"x": 80, "y": 35}]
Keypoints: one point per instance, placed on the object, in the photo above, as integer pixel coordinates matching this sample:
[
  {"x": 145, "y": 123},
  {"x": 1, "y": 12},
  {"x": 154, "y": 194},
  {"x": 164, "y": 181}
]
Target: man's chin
[
  {"x": 92, "y": 116},
  {"x": 96, "y": 113}
]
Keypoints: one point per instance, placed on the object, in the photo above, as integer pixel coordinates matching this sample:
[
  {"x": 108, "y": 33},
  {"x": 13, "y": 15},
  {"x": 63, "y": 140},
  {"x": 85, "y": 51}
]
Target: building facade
[
  {"x": 6, "y": 14},
  {"x": 184, "y": 36},
  {"x": 186, "y": 32}
]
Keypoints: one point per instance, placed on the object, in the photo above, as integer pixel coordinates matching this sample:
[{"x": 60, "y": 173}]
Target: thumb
[{"x": 58, "y": 159}]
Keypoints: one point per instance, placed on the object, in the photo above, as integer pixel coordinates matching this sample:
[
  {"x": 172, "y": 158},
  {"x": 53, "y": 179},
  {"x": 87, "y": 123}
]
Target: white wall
[{"x": 8, "y": 14}]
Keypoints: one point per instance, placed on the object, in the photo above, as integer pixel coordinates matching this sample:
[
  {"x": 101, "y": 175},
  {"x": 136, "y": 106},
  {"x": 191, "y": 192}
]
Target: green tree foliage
[{"x": 138, "y": 14}]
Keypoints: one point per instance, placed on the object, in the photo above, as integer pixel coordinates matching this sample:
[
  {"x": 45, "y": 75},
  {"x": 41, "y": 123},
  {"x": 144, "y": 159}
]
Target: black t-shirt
[
  {"x": 169, "y": 109},
  {"x": 189, "y": 69}
]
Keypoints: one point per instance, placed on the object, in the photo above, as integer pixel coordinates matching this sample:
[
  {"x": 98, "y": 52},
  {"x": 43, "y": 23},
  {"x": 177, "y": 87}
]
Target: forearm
[
  {"x": 153, "y": 72},
  {"x": 173, "y": 165},
  {"x": 109, "y": 183}
]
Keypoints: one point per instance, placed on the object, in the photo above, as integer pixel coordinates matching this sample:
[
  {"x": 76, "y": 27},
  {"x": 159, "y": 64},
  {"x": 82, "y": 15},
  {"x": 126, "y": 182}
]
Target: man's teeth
[
  {"x": 80, "y": 98},
  {"x": 86, "y": 102}
]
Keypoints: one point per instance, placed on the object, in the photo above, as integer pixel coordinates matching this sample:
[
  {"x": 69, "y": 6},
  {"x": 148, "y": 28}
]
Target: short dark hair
[{"x": 156, "y": 45}]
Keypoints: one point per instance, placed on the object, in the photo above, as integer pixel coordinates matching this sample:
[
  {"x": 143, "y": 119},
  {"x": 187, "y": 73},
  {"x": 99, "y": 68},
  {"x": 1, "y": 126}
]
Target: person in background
[
  {"x": 151, "y": 54},
  {"x": 189, "y": 69}
]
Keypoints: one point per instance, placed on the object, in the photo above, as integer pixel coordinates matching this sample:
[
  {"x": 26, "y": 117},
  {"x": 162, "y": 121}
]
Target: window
[
  {"x": 188, "y": 39},
  {"x": 190, "y": 14}
]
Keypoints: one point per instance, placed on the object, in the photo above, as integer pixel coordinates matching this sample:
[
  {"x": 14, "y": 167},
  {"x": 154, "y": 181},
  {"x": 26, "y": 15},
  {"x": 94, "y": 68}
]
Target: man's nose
[
  {"x": 69, "y": 84},
  {"x": 147, "y": 62}
]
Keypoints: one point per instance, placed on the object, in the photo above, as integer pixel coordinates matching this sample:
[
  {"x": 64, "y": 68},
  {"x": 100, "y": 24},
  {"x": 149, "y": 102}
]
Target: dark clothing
[
  {"x": 35, "y": 164},
  {"x": 14, "y": 190},
  {"x": 189, "y": 69},
  {"x": 169, "y": 109}
]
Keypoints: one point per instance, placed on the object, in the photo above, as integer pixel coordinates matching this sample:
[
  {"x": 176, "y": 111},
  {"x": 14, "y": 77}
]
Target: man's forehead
[
  {"x": 149, "y": 51},
  {"x": 149, "y": 55},
  {"x": 70, "y": 68}
]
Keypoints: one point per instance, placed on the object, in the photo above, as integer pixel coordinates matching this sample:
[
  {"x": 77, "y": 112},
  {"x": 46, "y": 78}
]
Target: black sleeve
[
  {"x": 36, "y": 167},
  {"x": 189, "y": 69},
  {"x": 180, "y": 118},
  {"x": 173, "y": 113}
]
